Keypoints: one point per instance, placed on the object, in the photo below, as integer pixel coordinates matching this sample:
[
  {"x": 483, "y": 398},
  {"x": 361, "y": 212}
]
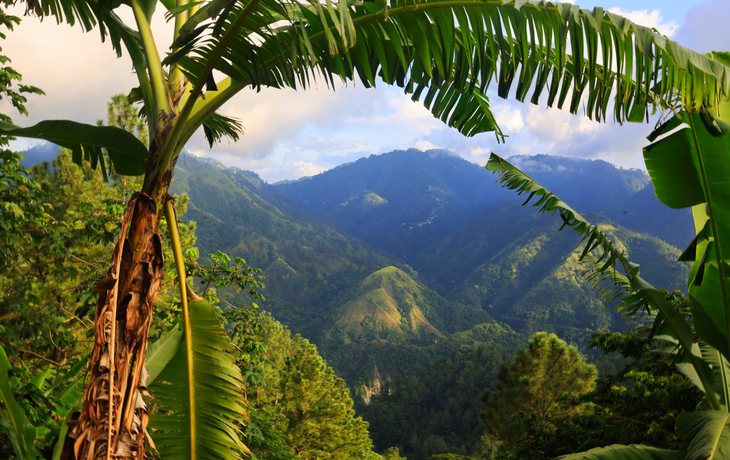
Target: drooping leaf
[
  {"x": 218, "y": 126},
  {"x": 199, "y": 418},
  {"x": 632, "y": 452},
  {"x": 22, "y": 433},
  {"x": 709, "y": 432},
  {"x": 127, "y": 153}
]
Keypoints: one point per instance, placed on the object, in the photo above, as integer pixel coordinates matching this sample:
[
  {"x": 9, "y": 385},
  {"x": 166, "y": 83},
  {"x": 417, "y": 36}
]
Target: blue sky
[{"x": 290, "y": 134}]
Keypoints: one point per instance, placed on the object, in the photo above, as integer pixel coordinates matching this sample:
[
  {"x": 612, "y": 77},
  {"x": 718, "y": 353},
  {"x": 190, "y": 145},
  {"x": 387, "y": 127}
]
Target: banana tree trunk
[{"x": 113, "y": 421}]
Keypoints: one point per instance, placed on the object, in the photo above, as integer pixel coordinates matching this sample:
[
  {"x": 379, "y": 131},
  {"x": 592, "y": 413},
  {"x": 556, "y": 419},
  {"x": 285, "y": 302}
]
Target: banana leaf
[
  {"x": 21, "y": 432},
  {"x": 690, "y": 167},
  {"x": 198, "y": 410},
  {"x": 127, "y": 153},
  {"x": 709, "y": 432},
  {"x": 632, "y": 452}
]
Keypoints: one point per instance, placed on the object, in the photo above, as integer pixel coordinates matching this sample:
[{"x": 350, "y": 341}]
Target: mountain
[
  {"x": 402, "y": 202},
  {"x": 307, "y": 263},
  {"x": 39, "y": 154},
  {"x": 331, "y": 276}
]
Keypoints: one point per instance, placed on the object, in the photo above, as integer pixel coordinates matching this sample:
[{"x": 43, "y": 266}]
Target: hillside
[
  {"x": 390, "y": 305},
  {"x": 306, "y": 262},
  {"x": 516, "y": 265}
]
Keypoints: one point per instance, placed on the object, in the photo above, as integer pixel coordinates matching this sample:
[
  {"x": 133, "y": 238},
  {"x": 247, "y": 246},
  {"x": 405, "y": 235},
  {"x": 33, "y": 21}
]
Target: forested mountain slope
[
  {"x": 518, "y": 266},
  {"x": 306, "y": 263}
]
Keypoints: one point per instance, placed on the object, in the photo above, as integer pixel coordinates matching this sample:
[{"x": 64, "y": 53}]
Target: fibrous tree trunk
[{"x": 113, "y": 421}]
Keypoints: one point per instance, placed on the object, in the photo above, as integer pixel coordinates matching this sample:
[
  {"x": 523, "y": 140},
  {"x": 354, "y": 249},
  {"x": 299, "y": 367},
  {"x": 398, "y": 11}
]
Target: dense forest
[{"x": 352, "y": 315}]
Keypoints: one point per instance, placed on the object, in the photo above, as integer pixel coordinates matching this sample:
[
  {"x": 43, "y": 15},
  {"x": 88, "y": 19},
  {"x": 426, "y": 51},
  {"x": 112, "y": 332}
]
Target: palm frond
[
  {"x": 217, "y": 126},
  {"x": 462, "y": 46},
  {"x": 217, "y": 404},
  {"x": 162, "y": 351}
]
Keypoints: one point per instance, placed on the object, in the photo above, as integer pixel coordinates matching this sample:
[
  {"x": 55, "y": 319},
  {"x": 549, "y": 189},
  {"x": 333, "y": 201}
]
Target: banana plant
[
  {"x": 688, "y": 164},
  {"x": 444, "y": 53},
  {"x": 19, "y": 429}
]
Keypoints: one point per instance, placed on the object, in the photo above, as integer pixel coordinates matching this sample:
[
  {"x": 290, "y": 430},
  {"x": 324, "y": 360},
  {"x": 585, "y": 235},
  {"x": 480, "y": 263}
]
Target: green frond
[
  {"x": 218, "y": 126},
  {"x": 632, "y": 452},
  {"x": 454, "y": 47},
  {"x": 709, "y": 432},
  {"x": 213, "y": 416},
  {"x": 162, "y": 351},
  {"x": 128, "y": 155}
]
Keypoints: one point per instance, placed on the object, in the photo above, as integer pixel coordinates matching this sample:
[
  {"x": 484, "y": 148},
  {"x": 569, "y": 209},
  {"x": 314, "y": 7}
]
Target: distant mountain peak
[{"x": 435, "y": 153}]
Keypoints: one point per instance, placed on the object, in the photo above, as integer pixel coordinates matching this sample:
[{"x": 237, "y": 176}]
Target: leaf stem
[
  {"x": 154, "y": 66},
  {"x": 180, "y": 265}
]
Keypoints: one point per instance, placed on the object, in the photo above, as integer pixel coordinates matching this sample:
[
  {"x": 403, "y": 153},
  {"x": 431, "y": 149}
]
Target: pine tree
[{"x": 529, "y": 391}]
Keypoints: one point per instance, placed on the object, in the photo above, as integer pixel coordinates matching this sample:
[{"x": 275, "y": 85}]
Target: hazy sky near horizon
[{"x": 290, "y": 134}]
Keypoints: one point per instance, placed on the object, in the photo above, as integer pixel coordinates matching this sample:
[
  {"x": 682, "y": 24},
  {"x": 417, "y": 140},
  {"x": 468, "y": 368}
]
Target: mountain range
[{"x": 395, "y": 260}]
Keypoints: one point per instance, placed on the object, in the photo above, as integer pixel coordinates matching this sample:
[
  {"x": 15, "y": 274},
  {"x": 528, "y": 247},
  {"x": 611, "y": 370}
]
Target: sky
[{"x": 289, "y": 134}]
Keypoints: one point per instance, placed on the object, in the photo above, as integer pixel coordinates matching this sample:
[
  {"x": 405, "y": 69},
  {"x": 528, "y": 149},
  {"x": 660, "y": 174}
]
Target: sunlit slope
[{"x": 516, "y": 265}]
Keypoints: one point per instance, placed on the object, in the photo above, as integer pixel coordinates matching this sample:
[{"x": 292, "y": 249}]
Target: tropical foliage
[{"x": 445, "y": 51}]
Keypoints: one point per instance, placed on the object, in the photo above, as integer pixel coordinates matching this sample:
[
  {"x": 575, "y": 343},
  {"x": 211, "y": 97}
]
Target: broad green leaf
[
  {"x": 709, "y": 432},
  {"x": 689, "y": 167},
  {"x": 632, "y": 452},
  {"x": 127, "y": 153},
  {"x": 162, "y": 351},
  {"x": 206, "y": 427},
  {"x": 22, "y": 435}
]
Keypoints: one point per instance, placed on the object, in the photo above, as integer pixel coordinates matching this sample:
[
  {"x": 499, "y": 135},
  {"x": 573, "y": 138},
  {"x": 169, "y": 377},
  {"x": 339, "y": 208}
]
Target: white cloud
[
  {"x": 705, "y": 27},
  {"x": 77, "y": 72},
  {"x": 648, "y": 18},
  {"x": 555, "y": 125},
  {"x": 507, "y": 116}
]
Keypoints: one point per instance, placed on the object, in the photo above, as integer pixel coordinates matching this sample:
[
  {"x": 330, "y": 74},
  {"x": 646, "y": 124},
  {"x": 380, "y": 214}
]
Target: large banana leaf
[
  {"x": 21, "y": 433},
  {"x": 689, "y": 167},
  {"x": 128, "y": 155},
  {"x": 632, "y": 452},
  {"x": 709, "y": 432},
  {"x": 198, "y": 410},
  {"x": 634, "y": 291},
  {"x": 453, "y": 44}
]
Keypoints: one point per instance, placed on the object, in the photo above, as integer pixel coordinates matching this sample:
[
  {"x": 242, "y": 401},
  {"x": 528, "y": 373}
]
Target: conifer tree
[{"x": 529, "y": 389}]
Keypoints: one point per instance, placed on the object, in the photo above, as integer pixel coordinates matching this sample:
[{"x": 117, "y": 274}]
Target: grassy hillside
[{"x": 391, "y": 305}]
